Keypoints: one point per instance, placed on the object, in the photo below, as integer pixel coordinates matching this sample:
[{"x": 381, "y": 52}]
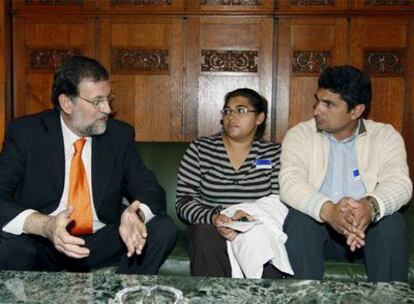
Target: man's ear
[
  {"x": 357, "y": 111},
  {"x": 66, "y": 104}
]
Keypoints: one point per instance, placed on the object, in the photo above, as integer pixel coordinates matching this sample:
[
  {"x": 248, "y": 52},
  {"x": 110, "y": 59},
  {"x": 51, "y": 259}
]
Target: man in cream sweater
[{"x": 345, "y": 179}]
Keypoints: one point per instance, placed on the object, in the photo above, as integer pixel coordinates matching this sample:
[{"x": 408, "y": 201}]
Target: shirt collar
[
  {"x": 360, "y": 129},
  {"x": 68, "y": 136}
]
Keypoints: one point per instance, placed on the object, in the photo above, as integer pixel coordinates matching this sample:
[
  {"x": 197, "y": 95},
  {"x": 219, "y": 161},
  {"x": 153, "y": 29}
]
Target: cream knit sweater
[{"x": 382, "y": 164}]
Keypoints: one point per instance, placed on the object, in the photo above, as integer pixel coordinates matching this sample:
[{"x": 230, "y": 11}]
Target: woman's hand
[
  {"x": 240, "y": 214},
  {"x": 227, "y": 233}
]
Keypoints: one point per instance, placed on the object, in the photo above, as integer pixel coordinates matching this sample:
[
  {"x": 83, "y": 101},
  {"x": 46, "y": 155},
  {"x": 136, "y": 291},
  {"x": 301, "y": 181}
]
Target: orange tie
[{"x": 79, "y": 194}]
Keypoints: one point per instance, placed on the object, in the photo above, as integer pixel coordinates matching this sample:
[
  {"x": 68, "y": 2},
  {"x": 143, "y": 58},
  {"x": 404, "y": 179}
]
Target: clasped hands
[
  {"x": 132, "y": 231},
  {"x": 349, "y": 217},
  {"x": 228, "y": 233}
]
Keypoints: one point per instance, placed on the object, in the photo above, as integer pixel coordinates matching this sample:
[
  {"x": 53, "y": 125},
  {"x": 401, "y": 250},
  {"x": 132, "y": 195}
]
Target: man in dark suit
[{"x": 63, "y": 175}]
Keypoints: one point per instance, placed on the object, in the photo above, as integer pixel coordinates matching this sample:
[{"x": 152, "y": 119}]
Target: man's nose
[
  {"x": 106, "y": 107},
  {"x": 316, "y": 108}
]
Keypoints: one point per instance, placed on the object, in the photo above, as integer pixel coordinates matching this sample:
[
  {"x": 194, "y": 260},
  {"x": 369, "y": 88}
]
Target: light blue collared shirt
[{"x": 342, "y": 175}]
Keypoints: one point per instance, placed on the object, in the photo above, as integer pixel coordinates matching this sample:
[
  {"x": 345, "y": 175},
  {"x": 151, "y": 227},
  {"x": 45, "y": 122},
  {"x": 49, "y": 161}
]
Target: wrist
[
  {"x": 374, "y": 209},
  {"x": 325, "y": 211},
  {"x": 37, "y": 224},
  {"x": 141, "y": 215}
]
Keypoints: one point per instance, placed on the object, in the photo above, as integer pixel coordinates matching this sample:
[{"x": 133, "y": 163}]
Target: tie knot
[{"x": 79, "y": 145}]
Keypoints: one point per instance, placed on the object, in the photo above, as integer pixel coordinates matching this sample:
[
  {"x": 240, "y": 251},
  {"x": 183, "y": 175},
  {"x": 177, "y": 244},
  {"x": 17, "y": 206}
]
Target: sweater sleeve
[
  {"x": 275, "y": 170},
  {"x": 394, "y": 187},
  {"x": 189, "y": 204},
  {"x": 295, "y": 188}
]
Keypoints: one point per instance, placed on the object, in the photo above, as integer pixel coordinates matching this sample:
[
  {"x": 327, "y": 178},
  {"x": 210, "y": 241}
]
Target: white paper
[{"x": 240, "y": 226}]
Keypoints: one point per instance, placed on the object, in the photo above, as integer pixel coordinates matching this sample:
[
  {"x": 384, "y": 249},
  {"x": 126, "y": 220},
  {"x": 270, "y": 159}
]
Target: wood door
[
  {"x": 379, "y": 46},
  {"x": 39, "y": 46},
  {"x": 145, "y": 57},
  {"x": 224, "y": 54},
  {"x": 305, "y": 47}
]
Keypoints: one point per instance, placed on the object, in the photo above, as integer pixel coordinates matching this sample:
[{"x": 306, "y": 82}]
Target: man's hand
[
  {"x": 227, "y": 233},
  {"x": 340, "y": 217},
  {"x": 360, "y": 218},
  {"x": 132, "y": 230},
  {"x": 54, "y": 228}
]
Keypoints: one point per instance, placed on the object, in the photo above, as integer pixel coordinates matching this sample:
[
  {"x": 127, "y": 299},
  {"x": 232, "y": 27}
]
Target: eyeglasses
[
  {"x": 100, "y": 100},
  {"x": 240, "y": 111}
]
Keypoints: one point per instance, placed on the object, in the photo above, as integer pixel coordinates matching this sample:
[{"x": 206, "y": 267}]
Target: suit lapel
[
  {"x": 53, "y": 154},
  {"x": 102, "y": 165}
]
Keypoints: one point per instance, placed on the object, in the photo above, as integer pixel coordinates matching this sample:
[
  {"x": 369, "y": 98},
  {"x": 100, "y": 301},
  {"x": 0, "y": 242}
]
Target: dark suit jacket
[{"x": 32, "y": 169}]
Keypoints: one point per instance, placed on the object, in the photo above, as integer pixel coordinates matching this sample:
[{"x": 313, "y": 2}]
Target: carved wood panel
[
  {"x": 48, "y": 60},
  {"x": 386, "y": 5},
  {"x": 312, "y": 2},
  {"x": 310, "y": 61},
  {"x": 229, "y": 61},
  {"x": 53, "y": 2},
  {"x": 386, "y": 2},
  {"x": 231, "y": 5},
  {"x": 141, "y": 2},
  {"x": 384, "y": 62},
  {"x": 306, "y": 5},
  {"x": 378, "y": 46},
  {"x": 230, "y": 2},
  {"x": 125, "y": 60}
]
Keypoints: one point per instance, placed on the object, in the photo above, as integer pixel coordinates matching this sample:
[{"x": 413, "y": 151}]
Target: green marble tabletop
[{"x": 64, "y": 287}]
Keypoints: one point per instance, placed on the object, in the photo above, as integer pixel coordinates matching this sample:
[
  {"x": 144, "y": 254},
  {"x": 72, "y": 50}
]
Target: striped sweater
[{"x": 207, "y": 182}]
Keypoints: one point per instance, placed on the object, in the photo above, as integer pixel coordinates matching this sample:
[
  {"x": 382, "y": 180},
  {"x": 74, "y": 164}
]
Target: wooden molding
[
  {"x": 312, "y": 2},
  {"x": 139, "y": 60},
  {"x": 229, "y": 61},
  {"x": 141, "y": 2},
  {"x": 231, "y": 2},
  {"x": 384, "y": 62},
  {"x": 53, "y": 2},
  {"x": 386, "y": 2},
  {"x": 42, "y": 59},
  {"x": 304, "y": 61}
]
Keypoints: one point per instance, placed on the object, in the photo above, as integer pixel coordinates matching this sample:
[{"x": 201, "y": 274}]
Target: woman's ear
[{"x": 260, "y": 118}]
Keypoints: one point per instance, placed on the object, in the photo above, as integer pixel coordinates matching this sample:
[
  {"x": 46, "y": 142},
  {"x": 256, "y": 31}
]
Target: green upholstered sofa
[{"x": 163, "y": 158}]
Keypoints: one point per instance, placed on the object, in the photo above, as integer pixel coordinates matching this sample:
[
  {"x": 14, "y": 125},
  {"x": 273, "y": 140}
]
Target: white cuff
[
  {"x": 15, "y": 226},
  {"x": 147, "y": 212}
]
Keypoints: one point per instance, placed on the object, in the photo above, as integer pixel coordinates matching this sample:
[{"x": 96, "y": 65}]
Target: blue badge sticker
[
  {"x": 356, "y": 175},
  {"x": 263, "y": 164}
]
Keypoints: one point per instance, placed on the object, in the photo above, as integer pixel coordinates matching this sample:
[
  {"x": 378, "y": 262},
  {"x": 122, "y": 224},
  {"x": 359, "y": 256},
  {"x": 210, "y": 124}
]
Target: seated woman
[{"x": 231, "y": 167}]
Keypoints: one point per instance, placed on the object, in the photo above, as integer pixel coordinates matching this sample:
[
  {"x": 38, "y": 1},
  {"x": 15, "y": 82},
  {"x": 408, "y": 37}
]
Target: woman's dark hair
[
  {"x": 71, "y": 72},
  {"x": 257, "y": 101},
  {"x": 353, "y": 85}
]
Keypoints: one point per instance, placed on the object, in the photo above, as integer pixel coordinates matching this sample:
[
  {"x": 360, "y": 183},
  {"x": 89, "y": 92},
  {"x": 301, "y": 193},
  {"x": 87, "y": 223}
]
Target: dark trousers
[
  {"x": 28, "y": 252},
  {"x": 208, "y": 254},
  {"x": 310, "y": 243}
]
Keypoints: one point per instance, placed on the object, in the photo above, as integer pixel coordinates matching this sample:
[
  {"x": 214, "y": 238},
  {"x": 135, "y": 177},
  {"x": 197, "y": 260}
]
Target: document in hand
[{"x": 241, "y": 226}]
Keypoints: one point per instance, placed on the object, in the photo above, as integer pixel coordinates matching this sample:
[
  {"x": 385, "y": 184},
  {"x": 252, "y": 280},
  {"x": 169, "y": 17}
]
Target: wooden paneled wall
[{"x": 172, "y": 61}]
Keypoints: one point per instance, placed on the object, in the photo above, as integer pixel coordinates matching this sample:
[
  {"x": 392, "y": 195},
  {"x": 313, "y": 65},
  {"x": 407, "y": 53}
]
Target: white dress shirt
[{"x": 15, "y": 226}]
